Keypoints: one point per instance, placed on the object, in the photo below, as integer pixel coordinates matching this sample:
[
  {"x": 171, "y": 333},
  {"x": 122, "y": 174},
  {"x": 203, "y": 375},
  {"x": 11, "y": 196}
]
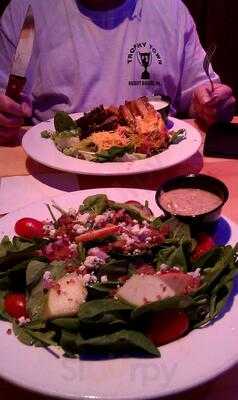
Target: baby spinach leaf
[
  {"x": 97, "y": 203},
  {"x": 112, "y": 153},
  {"x": 30, "y": 337},
  {"x": 96, "y": 308},
  {"x": 63, "y": 122},
  {"x": 212, "y": 275},
  {"x": 120, "y": 341},
  {"x": 37, "y": 302},
  {"x": 3, "y": 314},
  {"x": 175, "y": 256},
  {"x": 179, "y": 231},
  {"x": 15, "y": 250},
  {"x": 115, "y": 268},
  {"x": 69, "y": 323},
  {"x": 156, "y": 306},
  {"x": 134, "y": 211},
  {"x": 34, "y": 272}
]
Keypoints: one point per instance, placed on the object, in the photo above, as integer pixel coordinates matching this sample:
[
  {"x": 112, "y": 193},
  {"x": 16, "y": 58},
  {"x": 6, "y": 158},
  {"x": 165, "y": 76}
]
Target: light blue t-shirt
[{"x": 84, "y": 58}]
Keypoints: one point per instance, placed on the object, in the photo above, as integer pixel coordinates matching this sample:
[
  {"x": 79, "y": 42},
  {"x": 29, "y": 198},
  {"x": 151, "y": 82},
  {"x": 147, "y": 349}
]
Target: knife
[{"x": 22, "y": 57}]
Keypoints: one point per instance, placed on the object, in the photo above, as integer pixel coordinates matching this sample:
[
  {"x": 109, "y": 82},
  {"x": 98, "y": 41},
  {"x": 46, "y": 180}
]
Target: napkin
[{"x": 18, "y": 191}]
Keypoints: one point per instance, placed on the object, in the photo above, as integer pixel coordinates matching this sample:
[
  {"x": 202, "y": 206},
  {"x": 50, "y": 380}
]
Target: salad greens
[{"x": 84, "y": 276}]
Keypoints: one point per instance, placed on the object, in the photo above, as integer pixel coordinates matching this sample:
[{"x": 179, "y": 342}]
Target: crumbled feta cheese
[
  {"x": 104, "y": 279},
  {"x": 93, "y": 261},
  {"x": 135, "y": 229},
  {"x": 22, "y": 321},
  {"x": 96, "y": 251},
  {"x": 79, "y": 229},
  {"x": 102, "y": 218},
  {"x": 52, "y": 232},
  {"x": 47, "y": 280},
  {"x": 164, "y": 267},
  {"x": 136, "y": 252},
  {"x": 83, "y": 218},
  {"x": 73, "y": 246},
  {"x": 128, "y": 239},
  {"x": 196, "y": 273},
  {"x": 86, "y": 278},
  {"x": 148, "y": 239},
  {"x": 72, "y": 211}
]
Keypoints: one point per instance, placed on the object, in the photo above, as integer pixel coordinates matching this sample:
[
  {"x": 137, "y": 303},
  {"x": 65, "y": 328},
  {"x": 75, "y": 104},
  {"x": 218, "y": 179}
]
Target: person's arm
[
  {"x": 11, "y": 113},
  {"x": 195, "y": 95}
]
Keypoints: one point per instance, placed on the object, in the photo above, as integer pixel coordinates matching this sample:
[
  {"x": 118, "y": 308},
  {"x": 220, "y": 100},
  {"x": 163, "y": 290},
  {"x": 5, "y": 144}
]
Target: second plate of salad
[
  {"x": 129, "y": 139},
  {"x": 106, "y": 298}
]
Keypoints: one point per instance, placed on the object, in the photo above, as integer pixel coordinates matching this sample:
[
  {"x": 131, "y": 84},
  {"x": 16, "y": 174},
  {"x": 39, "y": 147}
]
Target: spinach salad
[{"x": 111, "y": 278}]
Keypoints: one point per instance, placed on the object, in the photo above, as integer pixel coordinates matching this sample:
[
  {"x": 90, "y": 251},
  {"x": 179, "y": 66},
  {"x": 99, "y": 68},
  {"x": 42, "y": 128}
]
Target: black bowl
[{"x": 199, "y": 181}]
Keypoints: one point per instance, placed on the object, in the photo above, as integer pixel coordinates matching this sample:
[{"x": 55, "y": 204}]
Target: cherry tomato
[
  {"x": 29, "y": 228},
  {"x": 15, "y": 305},
  {"x": 204, "y": 243},
  {"x": 167, "y": 326},
  {"x": 97, "y": 234}
]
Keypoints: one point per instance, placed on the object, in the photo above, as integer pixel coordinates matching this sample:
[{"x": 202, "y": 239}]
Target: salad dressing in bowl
[
  {"x": 189, "y": 201},
  {"x": 193, "y": 198}
]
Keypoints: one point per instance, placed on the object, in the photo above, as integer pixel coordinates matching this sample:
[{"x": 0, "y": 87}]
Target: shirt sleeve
[
  {"x": 192, "y": 73},
  {"x": 10, "y": 25}
]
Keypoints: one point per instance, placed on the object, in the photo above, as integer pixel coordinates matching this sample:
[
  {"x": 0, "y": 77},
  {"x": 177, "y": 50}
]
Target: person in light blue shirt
[{"x": 93, "y": 52}]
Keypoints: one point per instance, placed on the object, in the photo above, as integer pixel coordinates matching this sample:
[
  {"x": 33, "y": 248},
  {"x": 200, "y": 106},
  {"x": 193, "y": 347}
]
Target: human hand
[
  {"x": 12, "y": 117},
  {"x": 213, "y": 106}
]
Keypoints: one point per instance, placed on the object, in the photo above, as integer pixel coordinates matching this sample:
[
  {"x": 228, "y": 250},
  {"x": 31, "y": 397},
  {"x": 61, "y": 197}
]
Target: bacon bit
[
  {"x": 9, "y": 331},
  {"x": 158, "y": 297},
  {"x": 69, "y": 299}
]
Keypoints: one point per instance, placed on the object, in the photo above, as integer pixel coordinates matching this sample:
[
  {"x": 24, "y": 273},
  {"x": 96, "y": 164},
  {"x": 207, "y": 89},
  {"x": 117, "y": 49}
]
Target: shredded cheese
[{"x": 105, "y": 140}]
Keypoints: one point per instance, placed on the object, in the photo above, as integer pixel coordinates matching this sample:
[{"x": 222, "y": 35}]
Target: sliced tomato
[
  {"x": 205, "y": 243},
  {"x": 15, "y": 305},
  {"x": 97, "y": 234},
  {"x": 180, "y": 282},
  {"x": 167, "y": 326},
  {"x": 29, "y": 228}
]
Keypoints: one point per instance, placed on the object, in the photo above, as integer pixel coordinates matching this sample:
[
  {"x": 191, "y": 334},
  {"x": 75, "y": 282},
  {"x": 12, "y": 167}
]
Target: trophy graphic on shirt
[{"x": 145, "y": 60}]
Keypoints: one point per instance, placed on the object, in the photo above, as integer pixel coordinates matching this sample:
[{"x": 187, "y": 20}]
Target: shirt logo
[{"x": 145, "y": 54}]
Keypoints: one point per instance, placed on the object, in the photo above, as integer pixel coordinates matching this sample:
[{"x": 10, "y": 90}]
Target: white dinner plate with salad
[
  {"x": 185, "y": 363},
  {"x": 44, "y": 151}
]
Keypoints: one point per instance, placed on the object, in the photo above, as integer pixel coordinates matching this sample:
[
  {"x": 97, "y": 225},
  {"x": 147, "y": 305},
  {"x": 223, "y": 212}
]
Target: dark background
[{"x": 216, "y": 23}]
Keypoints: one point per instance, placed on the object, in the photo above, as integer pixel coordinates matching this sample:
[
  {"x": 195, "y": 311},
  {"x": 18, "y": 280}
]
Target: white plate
[
  {"x": 45, "y": 152},
  {"x": 190, "y": 361}
]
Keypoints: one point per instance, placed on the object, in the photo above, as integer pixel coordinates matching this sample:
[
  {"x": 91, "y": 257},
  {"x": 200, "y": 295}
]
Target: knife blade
[{"x": 22, "y": 57}]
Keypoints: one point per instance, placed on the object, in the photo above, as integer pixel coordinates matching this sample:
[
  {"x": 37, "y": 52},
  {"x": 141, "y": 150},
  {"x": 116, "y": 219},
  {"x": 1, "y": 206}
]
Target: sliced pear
[
  {"x": 142, "y": 289},
  {"x": 65, "y": 298}
]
